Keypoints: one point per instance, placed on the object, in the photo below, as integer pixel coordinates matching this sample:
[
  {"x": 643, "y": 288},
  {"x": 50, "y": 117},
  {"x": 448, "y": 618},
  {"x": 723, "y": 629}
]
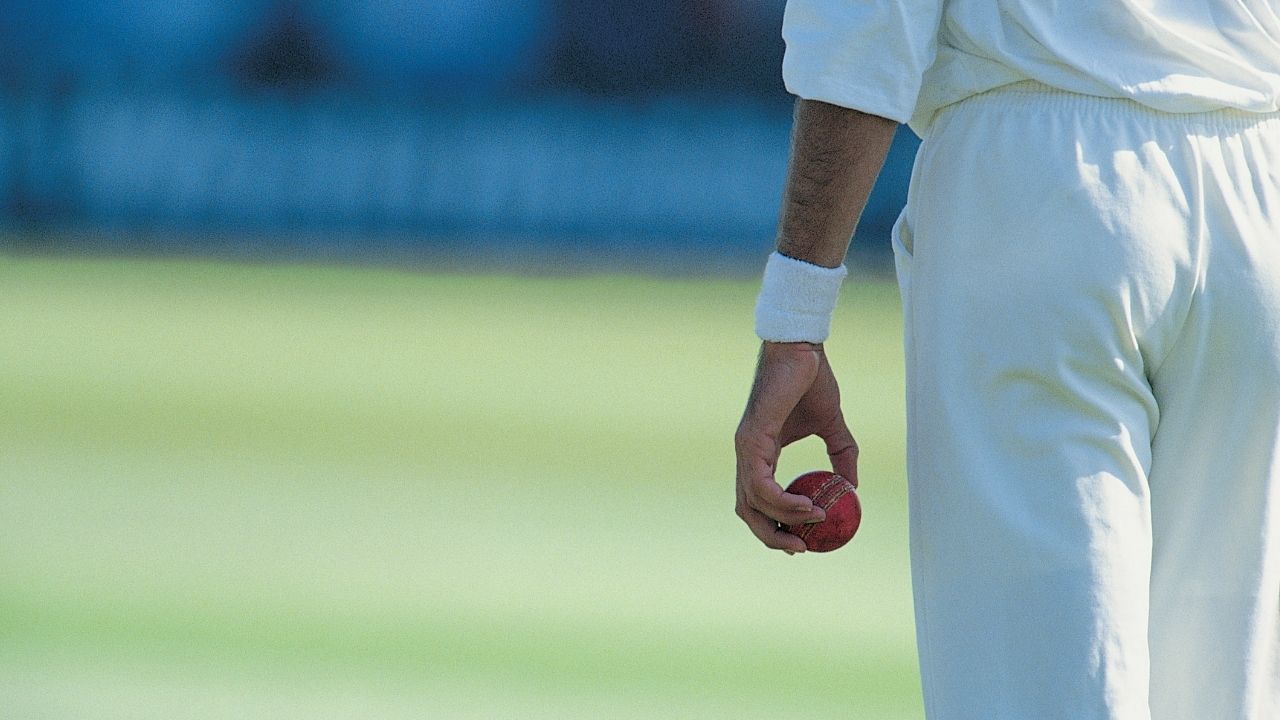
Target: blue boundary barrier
[{"x": 688, "y": 172}]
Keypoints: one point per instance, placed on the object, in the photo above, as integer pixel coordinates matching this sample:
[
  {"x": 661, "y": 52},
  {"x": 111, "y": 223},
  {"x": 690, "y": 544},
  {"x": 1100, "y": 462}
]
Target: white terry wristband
[{"x": 796, "y": 300}]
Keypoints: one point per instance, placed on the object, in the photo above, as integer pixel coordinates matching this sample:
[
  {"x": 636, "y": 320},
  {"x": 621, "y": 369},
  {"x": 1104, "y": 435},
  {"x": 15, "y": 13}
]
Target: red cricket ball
[{"x": 839, "y": 499}]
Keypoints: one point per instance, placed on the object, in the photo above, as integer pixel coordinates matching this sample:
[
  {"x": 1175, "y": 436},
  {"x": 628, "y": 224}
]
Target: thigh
[
  {"x": 1215, "y": 477},
  {"x": 1034, "y": 307}
]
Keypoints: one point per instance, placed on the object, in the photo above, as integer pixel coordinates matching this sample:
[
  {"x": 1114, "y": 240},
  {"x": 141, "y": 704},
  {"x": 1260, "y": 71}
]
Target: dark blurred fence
[{"x": 463, "y": 127}]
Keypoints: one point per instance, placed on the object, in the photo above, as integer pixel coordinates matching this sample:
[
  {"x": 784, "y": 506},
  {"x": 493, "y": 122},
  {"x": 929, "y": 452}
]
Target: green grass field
[{"x": 238, "y": 491}]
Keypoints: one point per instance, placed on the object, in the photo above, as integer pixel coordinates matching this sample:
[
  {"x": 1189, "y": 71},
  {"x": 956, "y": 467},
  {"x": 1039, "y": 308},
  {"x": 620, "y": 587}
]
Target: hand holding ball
[{"x": 838, "y": 498}]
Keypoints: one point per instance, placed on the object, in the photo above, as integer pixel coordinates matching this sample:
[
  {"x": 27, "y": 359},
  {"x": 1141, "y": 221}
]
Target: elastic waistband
[{"x": 1036, "y": 94}]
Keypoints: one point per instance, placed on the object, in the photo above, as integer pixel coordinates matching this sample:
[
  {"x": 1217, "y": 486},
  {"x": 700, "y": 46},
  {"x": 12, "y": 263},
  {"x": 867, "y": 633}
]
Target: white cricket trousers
[{"x": 1092, "y": 309}]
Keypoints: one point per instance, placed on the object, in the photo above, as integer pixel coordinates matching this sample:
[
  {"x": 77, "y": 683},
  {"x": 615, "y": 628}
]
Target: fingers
[
  {"x": 842, "y": 450},
  {"x": 762, "y": 504},
  {"x": 757, "y": 487},
  {"x": 764, "y": 496},
  {"x": 784, "y": 375},
  {"x": 768, "y": 532},
  {"x": 845, "y": 464}
]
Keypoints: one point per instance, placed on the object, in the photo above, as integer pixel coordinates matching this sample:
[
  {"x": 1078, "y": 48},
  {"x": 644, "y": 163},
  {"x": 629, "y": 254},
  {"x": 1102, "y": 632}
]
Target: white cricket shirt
[{"x": 905, "y": 59}]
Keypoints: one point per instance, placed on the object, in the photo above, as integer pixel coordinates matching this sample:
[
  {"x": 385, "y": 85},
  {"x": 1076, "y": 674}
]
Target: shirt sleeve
[{"x": 868, "y": 55}]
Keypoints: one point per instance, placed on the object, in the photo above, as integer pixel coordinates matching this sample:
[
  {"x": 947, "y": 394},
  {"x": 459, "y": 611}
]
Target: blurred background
[
  {"x": 554, "y": 128},
  {"x": 381, "y": 359}
]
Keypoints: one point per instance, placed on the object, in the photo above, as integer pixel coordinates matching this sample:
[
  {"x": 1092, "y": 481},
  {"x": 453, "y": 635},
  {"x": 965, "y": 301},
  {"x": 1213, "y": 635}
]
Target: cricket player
[{"x": 1089, "y": 262}]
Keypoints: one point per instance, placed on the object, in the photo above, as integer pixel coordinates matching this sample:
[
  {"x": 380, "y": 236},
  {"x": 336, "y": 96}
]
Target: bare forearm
[
  {"x": 835, "y": 157},
  {"x": 836, "y": 154}
]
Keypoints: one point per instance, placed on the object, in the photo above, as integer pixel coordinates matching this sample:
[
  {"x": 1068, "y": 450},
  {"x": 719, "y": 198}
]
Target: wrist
[{"x": 797, "y": 300}]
